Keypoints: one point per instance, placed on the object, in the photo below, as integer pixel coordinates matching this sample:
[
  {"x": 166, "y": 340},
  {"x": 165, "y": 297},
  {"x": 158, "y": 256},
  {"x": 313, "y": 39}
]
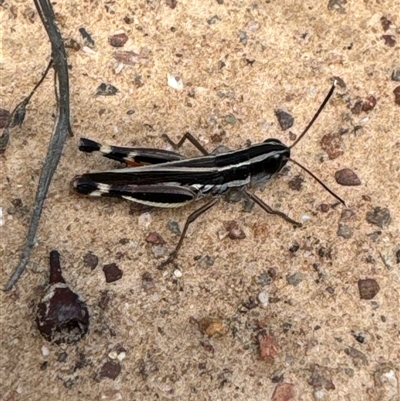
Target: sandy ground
[{"x": 239, "y": 61}]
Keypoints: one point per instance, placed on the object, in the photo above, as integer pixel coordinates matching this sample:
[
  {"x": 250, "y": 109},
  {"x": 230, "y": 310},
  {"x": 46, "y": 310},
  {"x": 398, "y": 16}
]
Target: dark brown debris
[
  {"x": 285, "y": 119},
  {"x": 234, "y": 231},
  {"x": 127, "y": 57},
  {"x": 106, "y": 90},
  {"x": 390, "y": 40},
  {"x": 284, "y": 392},
  {"x": 347, "y": 177},
  {"x": 212, "y": 326},
  {"x": 396, "y": 92},
  {"x": 369, "y": 104},
  {"x": 61, "y": 316},
  {"x": 5, "y": 116},
  {"x": 319, "y": 379},
  {"x": 368, "y": 288},
  {"x": 155, "y": 239},
  {"x": 267, "y": 345},
  {"x": 112, "y": 272},
  {"x": 72, "y": 44},
  {"x": 386, "y": 23},
  {"x": 110, "y": 370},
  {"x": 333, "y": 145},
  {"x": 296, "y": 183},
  {"x": 118, "y": 40},
  {"x": 171, "y": 3},
  {"x": 90, "y": 260}
]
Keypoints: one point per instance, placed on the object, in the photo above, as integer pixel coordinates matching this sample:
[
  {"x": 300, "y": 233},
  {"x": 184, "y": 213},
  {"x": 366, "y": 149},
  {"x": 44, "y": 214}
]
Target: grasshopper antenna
[
  {"x": 318, "y": 180},
  {"x": 323, "y": 104}
]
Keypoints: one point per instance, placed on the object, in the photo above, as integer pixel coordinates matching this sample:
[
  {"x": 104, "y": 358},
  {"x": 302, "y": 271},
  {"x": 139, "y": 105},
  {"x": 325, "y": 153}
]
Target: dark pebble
[
  {"x": 347, "y": 177},
  {"x": 396, "y": 92},
  {"x": 267, "y": 345},
  {"x": 368, "y": 288},
  {"x": 379, "y": 216},
  {"x": 171, "y": 3},
  {"x": 390, "y": 40},
  {"x": 106, "y": 90},
  {"x": 319, "y": 379},
  {"x": 332, "y": 144},
  {"x": 118, "y": 40},
  {"x": 90, "y": 260},
  {"x": 296, "y": 183},
  {"x": 62, "y": 357},
  {"x": 337, "y": 5},
  {"x": 126, "y": 57},
  {"x": 295, "y": 279},
  {"x": 344, "y": 231},
  {"x": 173, "y": 226},
  {"x": 86, "y": 37},
  {"x": 357, "y": 356},
  {"x": 359, "y": 337},
  {"x": 285, "y": 119},
  {"x": 72, "y": 44},
  {"x": 324, "y": 208},
  {"x": 294, "y": 248},
  {"x": 112, "y": 272},
  {"x": 155, "y": 239},
  {"x": 234, "y": 231},
  {"x": 110, "y": 370},
  {"x": 147, "y": 281},
  {"x": 214, "y": 19},
  {"x": 5, "y": 116},
  {"x": 369, "y": 103},
  {"x": 396, "y": 75},
  {"x": 398, "y": 257},
  {"x": 357, "y": 107},
  {"x": 386, "y": 23}
]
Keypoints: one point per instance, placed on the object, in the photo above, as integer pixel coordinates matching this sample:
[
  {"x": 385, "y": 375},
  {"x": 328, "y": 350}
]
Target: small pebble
[
  {"x": 90, "y": 260},
  {"x": 294, "y": 279},
  {"x": 337, "y": 5},
  {"x": 145, "y": 220},
  {"x": 319, "y": 379},
  {"x": 211, "y": 326},
  {"x": 70, "y": 43},
  {"x": 127, "y": 57},
  {"x": 368, "y": 288},
  {"x": 333, "y": 145},
  {"x": 175, "y": 82},
  {"x": 347, "y": 177},
  {"x": 396, "y": 75},
  {"x": 344, "y": 231},
  {"x": 110, "y": 370},
  {"x": 112, "y": 272},
  {"x": 147, "y": 281},
  {"x": 284, "y": 392},
  {"x": 398, "y": 257},
  {"x": 369, "y": 103},
  {"x": 243, "y": 37},
  {"x": 285, "y": 119},
  {"x": 106, "y": 90},
  {"x": 230, "y": 119},
  {"x": 118, "y": 39},
  {"x": 296, "y": 183},
  {"x": 379, "y": 216},
  {"x": 267, "y": 345},
  {"x": 386, "y": 23},
  {"x": 213, "y": 20},
  {"x": 177, "y": 273},
  {"x": 173, "y": 226},
  {"x": 45, "y": 350},
  {"x": 234, "y": 231},
  {"x": 396, "y": 92},
  {"x": 171, "y": 3},
  {"x": 324, "y": 208},
  {"x": 158, "y": 251},
  {"x": 4, "y": 117},
  {"x": 389, "y": 40},
  {"x": 87, "y": 38},
  {"x": 263, "y": 297},
  {"x": 155, "y": 239}
]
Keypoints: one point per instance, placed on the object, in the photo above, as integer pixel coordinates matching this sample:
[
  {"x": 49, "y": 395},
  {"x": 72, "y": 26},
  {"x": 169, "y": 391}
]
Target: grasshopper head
[{"x": 277, "y": 155}]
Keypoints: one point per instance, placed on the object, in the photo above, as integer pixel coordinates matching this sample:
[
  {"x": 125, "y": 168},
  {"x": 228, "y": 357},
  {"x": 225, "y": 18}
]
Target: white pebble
[
  {"x": 121, "y": 356},
  {"x": 175, "y": 82},
  {"x": 113, "y": 355},
  {"x": 263, "y": 298},
  {"x": 1, "y": 217},
  {"x": 177, "y": 273},
  {"x": 144, "y": 220},
  {"x": 45, "y": 350}
]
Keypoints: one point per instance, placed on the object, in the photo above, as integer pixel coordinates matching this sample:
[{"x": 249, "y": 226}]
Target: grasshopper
[{"x": 165, "y": 179}]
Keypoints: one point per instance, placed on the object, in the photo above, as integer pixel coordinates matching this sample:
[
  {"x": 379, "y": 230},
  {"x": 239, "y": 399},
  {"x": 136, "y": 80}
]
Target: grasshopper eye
[{"x": 274, "y": 163}]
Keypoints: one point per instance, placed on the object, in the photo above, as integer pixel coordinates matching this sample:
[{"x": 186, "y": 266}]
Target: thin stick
[{"x": 60, "y": 131}]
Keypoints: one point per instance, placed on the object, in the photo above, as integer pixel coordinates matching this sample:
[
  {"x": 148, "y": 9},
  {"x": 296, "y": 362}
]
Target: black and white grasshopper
[{"x": 161, "y": 178}]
